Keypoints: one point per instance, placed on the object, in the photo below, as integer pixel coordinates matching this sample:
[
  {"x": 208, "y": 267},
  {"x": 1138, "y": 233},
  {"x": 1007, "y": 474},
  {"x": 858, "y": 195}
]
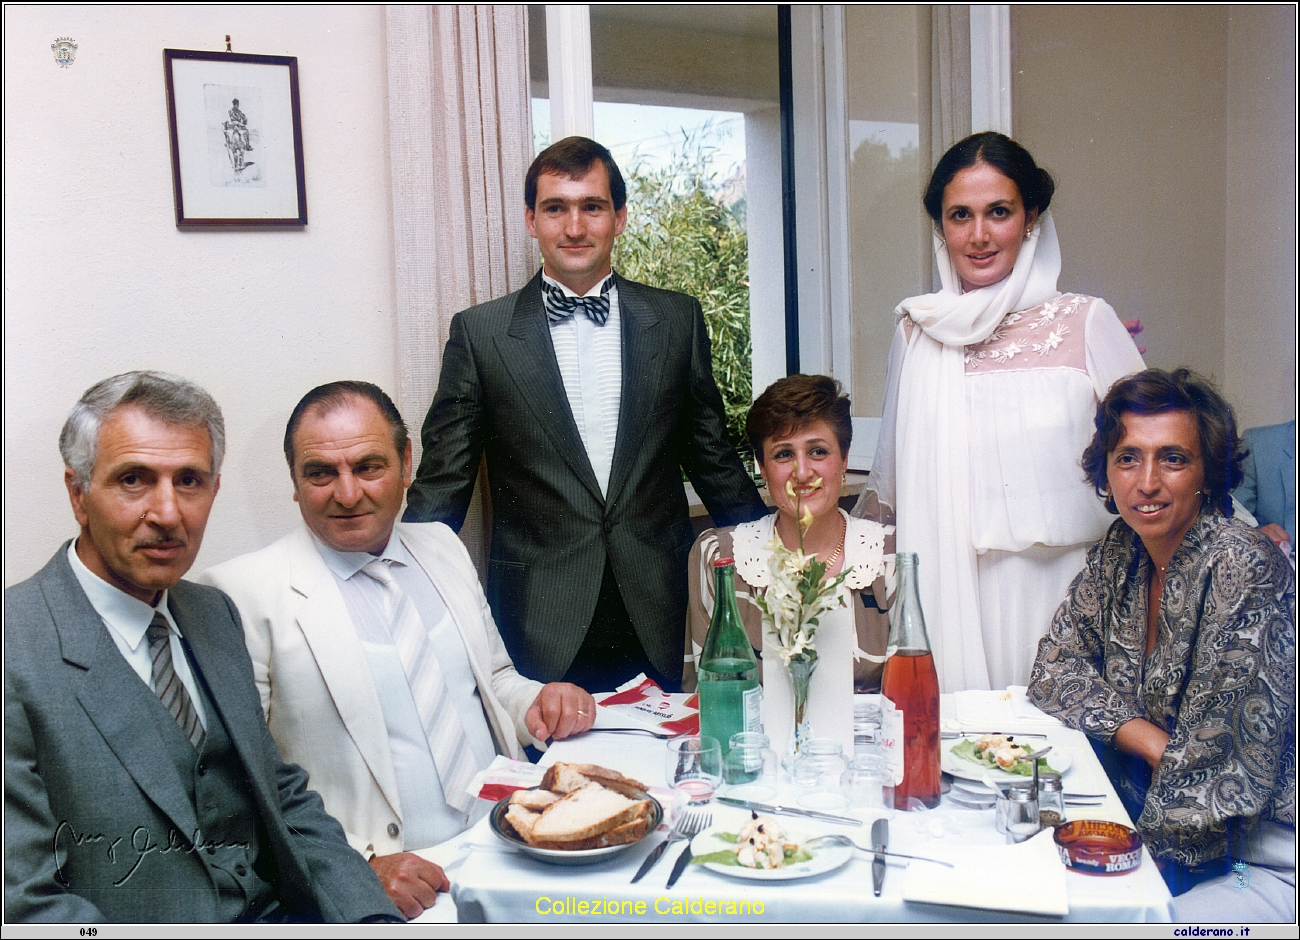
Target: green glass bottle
[{"x": 730, "y": 697}]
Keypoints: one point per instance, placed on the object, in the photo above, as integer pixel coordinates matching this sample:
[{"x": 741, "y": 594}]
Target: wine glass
[{"x": 694, "y": 767}]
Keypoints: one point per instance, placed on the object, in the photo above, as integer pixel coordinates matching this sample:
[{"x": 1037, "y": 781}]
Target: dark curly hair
[
  {"x": 1004, "y": 155},
  {"x": 795, "y": 402},
  {"x": 1156, "y": 391}
]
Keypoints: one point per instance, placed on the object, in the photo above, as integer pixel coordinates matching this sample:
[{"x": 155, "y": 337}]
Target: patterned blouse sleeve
[
  {"x": 1231, "y": 756},
  {"x": 1069, "y": 676}
]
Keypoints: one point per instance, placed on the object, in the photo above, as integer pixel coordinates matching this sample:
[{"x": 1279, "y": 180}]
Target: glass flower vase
[{"x": 801, "y": 671}]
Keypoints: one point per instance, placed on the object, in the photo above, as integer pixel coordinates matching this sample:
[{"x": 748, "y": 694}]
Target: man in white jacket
[{"x": 379, "y": 666}]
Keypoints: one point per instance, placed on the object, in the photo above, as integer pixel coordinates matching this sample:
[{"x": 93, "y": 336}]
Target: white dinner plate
[
  {"x": 825, "y": 858},
  {"x": 1059, "y": 760}
]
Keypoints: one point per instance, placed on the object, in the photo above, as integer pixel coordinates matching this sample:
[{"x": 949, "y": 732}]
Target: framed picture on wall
[{"x": 236, "y": 137}]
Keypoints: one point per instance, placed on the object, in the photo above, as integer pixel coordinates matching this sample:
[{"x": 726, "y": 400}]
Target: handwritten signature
[{"x": 140, "y": 842}]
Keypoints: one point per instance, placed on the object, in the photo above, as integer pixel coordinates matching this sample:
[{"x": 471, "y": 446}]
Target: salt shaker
[{"x": 1022, "y": 815}]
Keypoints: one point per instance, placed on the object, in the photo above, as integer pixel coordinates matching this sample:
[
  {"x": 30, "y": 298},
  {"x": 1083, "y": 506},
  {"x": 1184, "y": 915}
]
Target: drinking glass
[
  {"x": 694, "y": 767},
  {"x": 819, "y": 775},
  {"x": 750, "y": 767},
  {"x": 869, "y": 783}
]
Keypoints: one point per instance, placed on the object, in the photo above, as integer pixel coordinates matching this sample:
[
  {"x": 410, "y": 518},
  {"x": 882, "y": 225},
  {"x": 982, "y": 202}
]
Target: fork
[
  {"x": 697, "y": 825},
  {"x": 687, "y": 827}
]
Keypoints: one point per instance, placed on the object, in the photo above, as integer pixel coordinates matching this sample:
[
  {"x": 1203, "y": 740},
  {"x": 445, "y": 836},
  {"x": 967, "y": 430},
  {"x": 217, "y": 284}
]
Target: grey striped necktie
[
  {"x": 168, "y": 686},
  {"x": 448, "y": 744}
]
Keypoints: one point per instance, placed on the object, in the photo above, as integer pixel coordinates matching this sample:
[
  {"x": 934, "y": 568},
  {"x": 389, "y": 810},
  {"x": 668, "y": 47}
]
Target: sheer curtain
[
  {"x": 461, "y": 139},
  {"x": 950, "y": 81},
  {"x": 949, "y": 77}
]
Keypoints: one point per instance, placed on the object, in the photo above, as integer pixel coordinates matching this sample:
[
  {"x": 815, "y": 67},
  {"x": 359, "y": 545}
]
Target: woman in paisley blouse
[
  {"x": 1175, "y": 648},
  {"x": 991, "y": 387},
  {"x": 801, "y": 428}
]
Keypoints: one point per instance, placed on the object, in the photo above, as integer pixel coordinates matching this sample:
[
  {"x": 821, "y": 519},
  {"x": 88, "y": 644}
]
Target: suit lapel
[
  {"x": 324, "y": 620},
  {"x": 643, "y": 342},
  {"x": 112, "y": 695},
  {"x": 529, "y": 357},
  {"x": 218, "y": 666}
]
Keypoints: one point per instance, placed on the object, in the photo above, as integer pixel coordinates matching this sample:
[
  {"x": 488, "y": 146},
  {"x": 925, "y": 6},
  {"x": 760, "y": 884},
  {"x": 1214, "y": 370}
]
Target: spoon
[{"x": 837, "y": 839}]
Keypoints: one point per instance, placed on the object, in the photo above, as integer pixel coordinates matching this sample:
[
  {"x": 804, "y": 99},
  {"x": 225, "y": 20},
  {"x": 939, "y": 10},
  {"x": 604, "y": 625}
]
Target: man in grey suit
[
  {"x": 1268, "y": 488},
  {"x": 589, "y": 395},
  {"x": 141, "y": 783}
]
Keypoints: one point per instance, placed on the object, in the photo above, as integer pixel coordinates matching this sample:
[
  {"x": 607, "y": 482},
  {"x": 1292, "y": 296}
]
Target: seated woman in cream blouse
[{"x": 800, "y": 428}]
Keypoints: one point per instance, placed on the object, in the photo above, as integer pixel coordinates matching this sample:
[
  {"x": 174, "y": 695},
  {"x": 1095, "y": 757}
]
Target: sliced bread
[
  {"x": 584, "y": 814},
  {"x": 565, "y": 778},
  {"x": 619, "y": 835},
  {"x": 536, "y": 800}
]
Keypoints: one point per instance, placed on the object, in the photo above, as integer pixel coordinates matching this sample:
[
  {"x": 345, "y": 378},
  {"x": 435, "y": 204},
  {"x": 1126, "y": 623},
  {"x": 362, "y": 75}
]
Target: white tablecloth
[{"x": 493, "y": 883}]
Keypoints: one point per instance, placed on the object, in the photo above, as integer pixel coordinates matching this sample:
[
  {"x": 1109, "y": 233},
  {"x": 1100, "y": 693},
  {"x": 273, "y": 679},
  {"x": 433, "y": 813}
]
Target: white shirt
[
  {"x": 590, "y": 358},
  {"x": 128, "y": 620},
  {"x": 426, "y": 818}
]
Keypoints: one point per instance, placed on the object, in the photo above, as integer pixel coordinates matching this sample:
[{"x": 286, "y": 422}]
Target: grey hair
[{"x": 168, "y": 398}]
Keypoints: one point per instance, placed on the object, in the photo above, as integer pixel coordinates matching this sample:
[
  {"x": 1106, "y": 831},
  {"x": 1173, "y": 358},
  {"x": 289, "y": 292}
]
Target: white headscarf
[{"x": 930, "y": 447}]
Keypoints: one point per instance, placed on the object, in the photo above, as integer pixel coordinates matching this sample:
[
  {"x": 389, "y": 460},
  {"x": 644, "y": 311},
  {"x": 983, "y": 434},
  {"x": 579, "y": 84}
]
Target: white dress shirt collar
[
  {"x": 126, "y": 616},
  {"x": 346, "y": 564},
  {"x": 594, "y": 292}
]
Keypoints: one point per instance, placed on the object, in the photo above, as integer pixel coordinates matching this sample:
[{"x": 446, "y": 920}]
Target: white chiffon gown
[{"x": 990, "y": 403}]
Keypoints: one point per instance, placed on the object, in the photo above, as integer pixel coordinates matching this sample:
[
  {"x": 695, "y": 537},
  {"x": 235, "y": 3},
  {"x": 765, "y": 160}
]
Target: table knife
[
  {"x": 680, "y": 866},
  {"x": 777, "y": 810},
  {"x": 879, "y": 842},
  {"x": 655, "y": 854}
]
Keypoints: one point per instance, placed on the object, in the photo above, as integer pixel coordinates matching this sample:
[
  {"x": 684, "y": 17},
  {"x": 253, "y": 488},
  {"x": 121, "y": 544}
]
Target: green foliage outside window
[{"x": 682, "y": 235}]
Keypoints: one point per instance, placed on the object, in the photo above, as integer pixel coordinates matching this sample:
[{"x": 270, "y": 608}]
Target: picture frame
[{"x": 236, "y": 139}]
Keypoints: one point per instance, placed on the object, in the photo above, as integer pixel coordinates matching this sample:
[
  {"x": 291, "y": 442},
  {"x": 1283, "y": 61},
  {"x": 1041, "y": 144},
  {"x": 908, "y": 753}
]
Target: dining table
[{"x": 991, "y": 882}]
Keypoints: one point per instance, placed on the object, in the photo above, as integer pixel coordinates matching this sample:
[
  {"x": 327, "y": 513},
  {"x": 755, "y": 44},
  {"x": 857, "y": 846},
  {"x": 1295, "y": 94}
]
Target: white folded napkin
[
  {"x": 980, "y": 710},
  {"x": 1027, "y": 878}
]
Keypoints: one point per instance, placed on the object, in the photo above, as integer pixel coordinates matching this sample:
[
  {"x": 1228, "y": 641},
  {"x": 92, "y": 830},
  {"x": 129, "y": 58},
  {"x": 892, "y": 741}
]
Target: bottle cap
[{"x": 723, "y": 562}]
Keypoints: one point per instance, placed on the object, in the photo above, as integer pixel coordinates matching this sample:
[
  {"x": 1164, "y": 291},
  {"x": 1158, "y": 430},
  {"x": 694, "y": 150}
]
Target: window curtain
[
  {"x": 461, "y": 140},
  {"x": 949, "y": 90},
  {"x": 949, "y": 77}
]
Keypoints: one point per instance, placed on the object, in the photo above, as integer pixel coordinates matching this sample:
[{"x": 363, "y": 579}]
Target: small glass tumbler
[
  {"x": 866, "y": 728},
  {"x": 694, "y": 767},
  {"x": 750, "y": 767},
  {"x": 819, "y": 775},
  {"x": 869, "y": 783},
  {"x": 1022, "y": 815}
]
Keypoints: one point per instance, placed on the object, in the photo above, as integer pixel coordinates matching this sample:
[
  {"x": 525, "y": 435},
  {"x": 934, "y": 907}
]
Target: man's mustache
[{"x": 163, "y": 541}]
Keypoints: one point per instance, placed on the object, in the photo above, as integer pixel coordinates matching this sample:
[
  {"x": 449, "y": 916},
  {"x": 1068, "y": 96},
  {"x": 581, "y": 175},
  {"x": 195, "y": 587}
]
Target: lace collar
[{"x": 864, "y": 550}]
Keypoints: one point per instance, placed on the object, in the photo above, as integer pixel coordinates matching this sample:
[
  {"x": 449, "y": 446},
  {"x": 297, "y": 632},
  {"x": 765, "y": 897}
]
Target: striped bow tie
[{"x": 560, "y": 306}]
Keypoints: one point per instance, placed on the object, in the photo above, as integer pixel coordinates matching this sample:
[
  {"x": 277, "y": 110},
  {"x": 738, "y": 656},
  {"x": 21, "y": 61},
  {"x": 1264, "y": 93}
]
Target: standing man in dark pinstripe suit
[{"x": 589, "y": 395}]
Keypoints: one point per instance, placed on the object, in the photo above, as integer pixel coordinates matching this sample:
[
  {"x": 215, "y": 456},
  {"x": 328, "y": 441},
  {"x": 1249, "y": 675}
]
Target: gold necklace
[{"x": 830, "y": 562}]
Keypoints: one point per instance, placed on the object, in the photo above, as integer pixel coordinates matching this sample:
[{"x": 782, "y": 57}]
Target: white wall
[
  {"x": 1260, "y": 265},
  {"x": 98, "y": 279},
  {"x": 1125, "y": 106}
]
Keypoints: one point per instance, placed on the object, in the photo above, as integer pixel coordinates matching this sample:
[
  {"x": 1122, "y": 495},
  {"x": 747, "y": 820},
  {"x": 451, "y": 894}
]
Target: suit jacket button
[
  {"x": 212, "y": 850},
  {"x": 241, "y": 870},
  {"x": 203, "y": 769},
  {"x": 609, "y": 526},
  {"x": 393, "y": 830}
]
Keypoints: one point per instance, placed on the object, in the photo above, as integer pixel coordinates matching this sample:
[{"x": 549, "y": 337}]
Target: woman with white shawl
[{"x": 992, "y": 386}]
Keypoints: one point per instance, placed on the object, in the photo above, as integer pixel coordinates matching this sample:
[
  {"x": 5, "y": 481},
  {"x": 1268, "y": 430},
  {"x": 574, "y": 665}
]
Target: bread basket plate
[
  {"x": 825, "y": 858},
  {"x": 1059, "y": 760},
  {"x": 496, "y": 822}
]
